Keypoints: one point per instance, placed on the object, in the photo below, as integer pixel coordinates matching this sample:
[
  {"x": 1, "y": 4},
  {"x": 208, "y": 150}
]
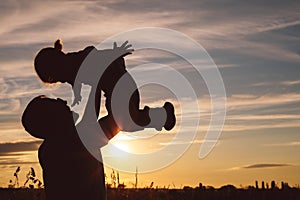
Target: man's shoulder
[{"x": 89, "y": 48}]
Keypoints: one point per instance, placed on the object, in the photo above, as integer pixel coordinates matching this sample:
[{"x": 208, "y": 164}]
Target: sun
[
  {"x": 121, "y": 145},
  {"x": 117, "y": 147},
  {"x": 120, "y": 142}
]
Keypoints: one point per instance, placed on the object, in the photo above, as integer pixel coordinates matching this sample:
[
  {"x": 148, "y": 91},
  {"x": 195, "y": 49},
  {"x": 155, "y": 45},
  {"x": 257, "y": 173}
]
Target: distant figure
[
  {"x": 53, "y": 65},
  {"x": 69, "y": 170}
]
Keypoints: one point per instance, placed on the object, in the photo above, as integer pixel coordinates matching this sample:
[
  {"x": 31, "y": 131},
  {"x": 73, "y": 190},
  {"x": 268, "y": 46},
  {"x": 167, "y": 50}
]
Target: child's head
[
  {"x": 48, "y": 63},
  {"x": 44, "y": 117}
]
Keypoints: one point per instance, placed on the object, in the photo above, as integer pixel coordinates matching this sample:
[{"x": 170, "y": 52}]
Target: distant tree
[
  {"x": 285, "y": 186},
  {"x": 282, "y": 185},
  {"x": 121, "y": 186},
  {"x": 200, "y": 186},
  {"x": 228, "y": 187},
  {"x": 263, "y": 185},
  {"x": 273, "y": 185},
  {"x": 250, "y": 187},
  {"x": 187, "y": 188},
  {"x": 256, "y": 185},
  {"x": 136, "y": 178},
  {"x": 113, "y": 179},
  {"x": 209, "y": 187},
  {"x": 118, "y": 178}
]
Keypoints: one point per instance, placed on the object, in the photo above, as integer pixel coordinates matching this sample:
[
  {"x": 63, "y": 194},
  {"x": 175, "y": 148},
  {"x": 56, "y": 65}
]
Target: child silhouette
[{"x": 53, "y": 65}]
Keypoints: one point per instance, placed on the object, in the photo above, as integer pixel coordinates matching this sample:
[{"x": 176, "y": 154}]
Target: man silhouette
[{"x": 69, "y": 170}]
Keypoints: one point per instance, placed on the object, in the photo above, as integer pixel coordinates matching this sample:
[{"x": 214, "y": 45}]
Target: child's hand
[
  {"x": 76, "y": 100},
  {"x": 123, "y": 49}
]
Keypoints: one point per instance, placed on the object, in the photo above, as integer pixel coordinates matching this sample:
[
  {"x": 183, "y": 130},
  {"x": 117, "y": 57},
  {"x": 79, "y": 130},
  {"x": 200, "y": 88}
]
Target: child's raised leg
[{"x": 118, "y": 109}]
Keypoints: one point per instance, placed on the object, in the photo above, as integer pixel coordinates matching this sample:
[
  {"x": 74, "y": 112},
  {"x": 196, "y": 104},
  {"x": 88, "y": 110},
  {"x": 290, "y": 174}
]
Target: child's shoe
[{"x": 171, "y": 119}]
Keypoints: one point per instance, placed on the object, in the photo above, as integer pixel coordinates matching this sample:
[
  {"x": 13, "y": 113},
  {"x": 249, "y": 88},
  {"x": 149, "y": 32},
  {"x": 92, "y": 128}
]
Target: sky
[{"x": 254, "y": 44}]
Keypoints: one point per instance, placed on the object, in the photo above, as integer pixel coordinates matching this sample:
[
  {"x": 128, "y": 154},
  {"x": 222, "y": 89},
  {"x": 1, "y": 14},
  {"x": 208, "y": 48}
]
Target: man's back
[{"x": 70, "y": 171}]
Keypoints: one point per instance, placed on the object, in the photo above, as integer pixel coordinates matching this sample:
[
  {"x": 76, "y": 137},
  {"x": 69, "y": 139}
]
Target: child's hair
[
  {"x": 48, "y": 62},
  {"x": 58, "y": 45}
]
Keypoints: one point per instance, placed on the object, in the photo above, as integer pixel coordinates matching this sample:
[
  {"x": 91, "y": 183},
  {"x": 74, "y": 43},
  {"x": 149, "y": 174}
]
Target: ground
[{"x": 167, "y": 194}]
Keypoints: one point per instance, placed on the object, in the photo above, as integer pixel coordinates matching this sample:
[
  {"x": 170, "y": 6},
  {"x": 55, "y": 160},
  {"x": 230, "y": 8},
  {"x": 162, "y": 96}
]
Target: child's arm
[
  {"x": 77, "y": 93},
  {"x": 117, "y": 52},
  {"x": 97, "y": 61}
]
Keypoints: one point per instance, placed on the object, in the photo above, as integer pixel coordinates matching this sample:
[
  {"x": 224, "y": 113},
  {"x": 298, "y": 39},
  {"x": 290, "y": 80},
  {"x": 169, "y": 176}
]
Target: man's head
[
  {"x": 48, "y": 63},
  {"x": 46, "y": 118}
]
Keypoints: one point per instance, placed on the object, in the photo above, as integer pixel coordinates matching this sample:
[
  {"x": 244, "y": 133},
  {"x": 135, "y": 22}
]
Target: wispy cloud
[
  {"x": 284, "y": 144},
  {"x": 7, "y": 148},
  {"x": 263, "y": 117},
  {"x": 266, "y": 165},
  {"x": 285, "y": 83},
  {"x": 9, "y": 106},
  {"x": 253, "y": 112},
  {"x": 182, "y": 142},
  {"x": 254, "y": 101},
  {"x": 18, "y": 162},
  {"x": 247, "y": 127},
  {"x": 260, "y": 166}
]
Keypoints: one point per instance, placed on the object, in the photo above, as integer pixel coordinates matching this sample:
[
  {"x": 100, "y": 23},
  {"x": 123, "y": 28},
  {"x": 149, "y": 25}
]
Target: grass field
[{"x": 225, "y": 193}]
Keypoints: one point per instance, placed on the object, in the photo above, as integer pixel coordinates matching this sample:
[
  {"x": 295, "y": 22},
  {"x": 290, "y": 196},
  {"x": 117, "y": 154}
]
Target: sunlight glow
[{"x": 121, "y": 145}]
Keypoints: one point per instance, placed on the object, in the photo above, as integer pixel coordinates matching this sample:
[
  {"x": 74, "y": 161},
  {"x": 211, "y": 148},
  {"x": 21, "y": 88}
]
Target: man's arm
[{"x": 89, "y": 129}]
